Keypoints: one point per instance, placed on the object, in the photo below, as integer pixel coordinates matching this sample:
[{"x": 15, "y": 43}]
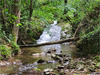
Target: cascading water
[{"x": 53, "y": 34}]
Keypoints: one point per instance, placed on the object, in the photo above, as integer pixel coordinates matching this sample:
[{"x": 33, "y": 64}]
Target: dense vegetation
[{"x": 22, "y": 22}]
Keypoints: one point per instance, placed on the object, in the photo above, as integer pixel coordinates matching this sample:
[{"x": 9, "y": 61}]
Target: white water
[{"x": 53, "y": 34}]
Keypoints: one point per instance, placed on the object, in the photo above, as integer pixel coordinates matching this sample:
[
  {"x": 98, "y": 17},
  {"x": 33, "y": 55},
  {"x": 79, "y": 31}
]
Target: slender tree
[
  {"x": 65, "y": 1},
  {"x": 32, "y": 5},
  {"x": 31, "y": 9},
  {"x": 3, "y": 13},
  {"x": 17, "y": 20}
]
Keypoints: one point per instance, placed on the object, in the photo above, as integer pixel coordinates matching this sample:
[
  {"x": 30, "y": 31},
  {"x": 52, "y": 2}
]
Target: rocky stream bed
[{"x": 55, "y": 64}]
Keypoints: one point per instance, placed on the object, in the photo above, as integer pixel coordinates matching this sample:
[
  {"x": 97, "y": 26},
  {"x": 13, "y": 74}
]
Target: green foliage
[
  {"x": 14, "y": 47},
  {"x": 51, "y": 11},
  {"x": 19, "y": 24},
  {"x": 89, "y": 43},
  {"x": 5, "y": 52},
  {"x": 78, "y": 9},
  {"x": 97, "y": 58}
]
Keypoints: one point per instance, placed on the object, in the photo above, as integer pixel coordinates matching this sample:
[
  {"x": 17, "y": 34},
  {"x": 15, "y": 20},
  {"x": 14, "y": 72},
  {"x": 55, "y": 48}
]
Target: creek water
[{"x": 26, "y": 62}]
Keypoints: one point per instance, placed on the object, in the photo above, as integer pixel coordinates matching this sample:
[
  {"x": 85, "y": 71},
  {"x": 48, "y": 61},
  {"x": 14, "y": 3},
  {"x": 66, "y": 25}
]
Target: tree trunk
[
  {"x": 3, "y": 14},
  {"x": 17, "y": 14},
  {"x": 31, "y": 9},
  {"x": 65, "y": 1},
  {"x": 50, "y": 43}
]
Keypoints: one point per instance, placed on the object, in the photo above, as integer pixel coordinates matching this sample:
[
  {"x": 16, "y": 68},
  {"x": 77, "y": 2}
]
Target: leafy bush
[
  {"x": 89, "y": 43},
  {"x": 14, "y": 48},
  {"x": 5, "y": 52}
]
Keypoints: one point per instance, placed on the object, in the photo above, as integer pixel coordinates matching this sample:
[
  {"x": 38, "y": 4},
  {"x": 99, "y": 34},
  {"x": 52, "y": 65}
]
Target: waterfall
[{"x": 53, "y": 34}]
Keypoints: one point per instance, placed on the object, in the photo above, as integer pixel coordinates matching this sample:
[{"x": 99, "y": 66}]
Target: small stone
[
  {"x": 36, "y": 55},
  {"x": 48, "y": 70},
  {"x": 14, "y": 63},
  {"x": 50, "y": 61}
]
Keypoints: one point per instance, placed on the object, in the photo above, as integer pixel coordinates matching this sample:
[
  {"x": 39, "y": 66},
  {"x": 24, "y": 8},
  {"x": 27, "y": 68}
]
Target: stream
[{"x": 27, "y": 62}]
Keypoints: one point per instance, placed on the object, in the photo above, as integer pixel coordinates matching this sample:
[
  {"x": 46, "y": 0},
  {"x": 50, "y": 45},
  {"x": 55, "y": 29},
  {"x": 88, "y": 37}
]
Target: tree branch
[{"x": 50, "y": 43}]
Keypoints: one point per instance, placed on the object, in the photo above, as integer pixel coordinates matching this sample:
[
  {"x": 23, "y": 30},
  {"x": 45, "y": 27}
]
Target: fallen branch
[{"x": 50, "y": 43}]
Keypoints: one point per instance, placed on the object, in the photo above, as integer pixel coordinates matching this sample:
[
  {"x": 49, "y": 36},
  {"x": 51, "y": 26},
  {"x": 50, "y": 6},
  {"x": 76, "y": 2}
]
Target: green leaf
[{"x": 19, "y": 24}]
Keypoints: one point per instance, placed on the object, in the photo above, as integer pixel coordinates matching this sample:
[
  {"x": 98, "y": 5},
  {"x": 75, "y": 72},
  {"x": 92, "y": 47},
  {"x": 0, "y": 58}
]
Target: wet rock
[
  {"x": 57, "y": 58},
  {"x": 14, "y": 63},
  {"x": 48, "y": 72},
  {"x": 60, "y": 67},
  {"x": 39, "y": 54},
  {"x": 53, "y": 56},
  {"x": 36, "y": 54},
  {"x": 4, "y": 63},
  {"x": 41, "y": 61},
  {"x": 50, "y": 61}
]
